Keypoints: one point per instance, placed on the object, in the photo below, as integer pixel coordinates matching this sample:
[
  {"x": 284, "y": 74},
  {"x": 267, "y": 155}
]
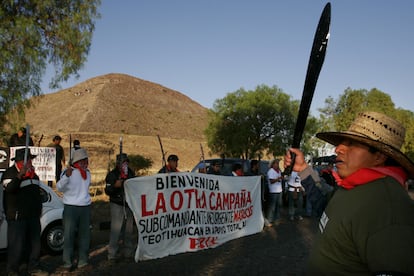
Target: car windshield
[{"x": 226, "y": 165}]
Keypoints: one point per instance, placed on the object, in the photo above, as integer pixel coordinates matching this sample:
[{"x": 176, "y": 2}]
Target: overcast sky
[{"x": 206, "y": 49}]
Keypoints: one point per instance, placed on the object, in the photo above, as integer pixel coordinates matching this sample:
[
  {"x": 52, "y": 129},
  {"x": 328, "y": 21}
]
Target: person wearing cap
[
  {"x": 74, "y": 184},
  {"x": 19, "y": 138},
  {"x": 122, "y": 219},
  {"x": 60, "y": 157},
  {"x": 23, "y": 208},
  {"x": 76, "y": 146},
  {"x": 295, "y": 197},
  {"x": 367, "y": 227},
  {"x": 171, "y": 166}
]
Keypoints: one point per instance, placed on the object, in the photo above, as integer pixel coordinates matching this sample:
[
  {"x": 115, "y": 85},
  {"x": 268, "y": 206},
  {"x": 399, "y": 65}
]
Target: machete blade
[{"x": 317, "y": 57}]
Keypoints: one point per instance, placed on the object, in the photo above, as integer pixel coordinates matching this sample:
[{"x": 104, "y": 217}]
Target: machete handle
[{"x": 289, "y": 169}]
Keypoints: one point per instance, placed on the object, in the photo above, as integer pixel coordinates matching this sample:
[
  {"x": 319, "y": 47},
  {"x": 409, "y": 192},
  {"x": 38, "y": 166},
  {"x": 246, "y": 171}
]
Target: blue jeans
[
  {"x": 315, "y": 207},
  {"x": 273, "y": 212},
  {"x": 299, "y": 203},
  {"x": 122, "y": 224},
  {"x": 308, "y": 207},
  {"x": 76, "y": 222}
]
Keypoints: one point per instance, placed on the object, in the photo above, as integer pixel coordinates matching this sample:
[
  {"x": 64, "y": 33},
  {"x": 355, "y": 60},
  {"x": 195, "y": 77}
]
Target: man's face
[
  {"x": 122, "y": 164},
  {"x": 352, "y": 156},
  {"x": 173, "y": 164},
  {"x": 216, "y": 167},
  {"x": 83, "y": 163}
]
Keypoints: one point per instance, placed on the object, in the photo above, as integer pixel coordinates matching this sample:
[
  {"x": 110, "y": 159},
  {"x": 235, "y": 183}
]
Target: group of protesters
[
  {"x": 305, "y": 197},
  {"x": 23, "y": 206},
  {"x": 366, "y": 215},
  {"x": 365, "y": 212}
]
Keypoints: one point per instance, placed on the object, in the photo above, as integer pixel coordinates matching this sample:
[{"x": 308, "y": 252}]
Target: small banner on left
[{"x": 44, "y": 163}]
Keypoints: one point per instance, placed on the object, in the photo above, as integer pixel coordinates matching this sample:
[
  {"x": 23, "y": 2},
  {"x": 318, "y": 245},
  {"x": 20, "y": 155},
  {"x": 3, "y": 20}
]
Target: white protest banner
[
  {"x": 185, "y": 212},
  {"x": 44, "y": 163}
]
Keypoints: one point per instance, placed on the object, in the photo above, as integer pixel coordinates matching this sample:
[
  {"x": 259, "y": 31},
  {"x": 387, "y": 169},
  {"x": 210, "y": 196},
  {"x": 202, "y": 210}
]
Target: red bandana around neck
[
  {"x": 30, "y": 173},
  {"x": 239, "y": 173},
  {"x": 169, "y": 169},
  {"x": 365, "y": 175},
  {"x": 81, "y": 170},
  {"x": 124, "y": 170}
]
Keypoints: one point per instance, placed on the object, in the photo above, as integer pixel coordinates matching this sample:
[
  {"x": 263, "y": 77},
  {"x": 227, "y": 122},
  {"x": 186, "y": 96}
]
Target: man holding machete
[
  {"x": 368, "y": 226},
  {"x": 23, "y": 208}
]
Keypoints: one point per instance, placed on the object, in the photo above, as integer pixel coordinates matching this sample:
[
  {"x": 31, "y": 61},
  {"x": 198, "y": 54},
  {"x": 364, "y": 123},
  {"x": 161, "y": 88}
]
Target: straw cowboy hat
[{"x": 378, "y": 131}]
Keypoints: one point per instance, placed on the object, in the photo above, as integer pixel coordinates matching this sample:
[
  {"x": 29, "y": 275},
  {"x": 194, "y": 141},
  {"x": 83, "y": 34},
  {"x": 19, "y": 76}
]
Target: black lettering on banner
[{"x": 182, "y": 181}]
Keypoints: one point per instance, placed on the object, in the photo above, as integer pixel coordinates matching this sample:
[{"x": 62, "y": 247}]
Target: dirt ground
[{"x": 281, "y": 249}]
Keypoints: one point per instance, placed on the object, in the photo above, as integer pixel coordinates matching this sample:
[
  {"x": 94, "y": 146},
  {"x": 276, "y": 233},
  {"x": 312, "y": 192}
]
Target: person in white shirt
[
  {"x": 74, "y": 184},
  {"x": 295, "y": 197},
  {"x": 274, "y": 176}
]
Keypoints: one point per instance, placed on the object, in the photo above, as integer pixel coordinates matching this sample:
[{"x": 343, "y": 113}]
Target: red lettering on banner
[
  {"x": 144, "y": 207},
  {"x": 202, "y": 201},
  {"x": 190, "y": 193},
  {"x": 243, "y": 214},
  {"x": 203, "y": 242},
  {"x": 180, "y": 200},
  {"x": 211, "y": 200},
  {"x": 193, "y": 198},
  {"x": 160, "y": 205}
]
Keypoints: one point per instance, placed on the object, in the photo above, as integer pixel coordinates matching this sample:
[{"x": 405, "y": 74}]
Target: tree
[
  {"x": 251, "y": 123},
  {"x": 338, "y": 115},
  {"x": 34, "y": 34},
  {"x": 326, "y": 115},
  {"x": 407, "y": 119},
  {"x": 138, "y": 163},
  {"x": 349, "y": 104},
  {"x": 352, "y": 102}
]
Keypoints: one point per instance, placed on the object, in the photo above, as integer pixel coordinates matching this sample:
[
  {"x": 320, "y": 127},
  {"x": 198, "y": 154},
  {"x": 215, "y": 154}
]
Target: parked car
[
  {"x": 227, "y": 165},
  {"x": 50, "y": 220}
]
